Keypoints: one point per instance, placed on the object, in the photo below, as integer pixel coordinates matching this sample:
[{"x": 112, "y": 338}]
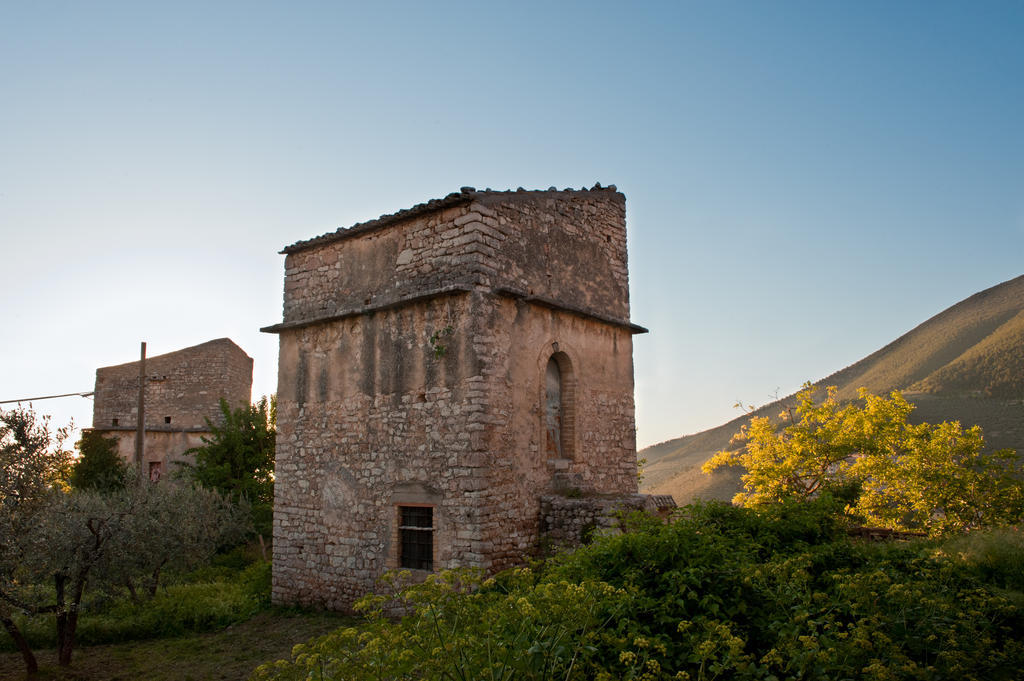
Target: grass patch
[
  {"x": 225, "y": 655},
  {"x": 175, "y": 610}
]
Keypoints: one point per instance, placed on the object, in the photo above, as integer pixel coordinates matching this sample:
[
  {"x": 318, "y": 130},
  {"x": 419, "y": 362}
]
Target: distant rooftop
[
  {"x": 227, "y": 343},
  {"x": 464, "y": 195}
]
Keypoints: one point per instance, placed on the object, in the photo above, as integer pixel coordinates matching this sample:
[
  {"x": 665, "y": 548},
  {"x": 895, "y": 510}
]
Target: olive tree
[
  {"x": 33, "y": 466},
  {"x": 55, "y": 542},
  {"x": 172, "y": 527},
  {"x": 119, "y": 537}
]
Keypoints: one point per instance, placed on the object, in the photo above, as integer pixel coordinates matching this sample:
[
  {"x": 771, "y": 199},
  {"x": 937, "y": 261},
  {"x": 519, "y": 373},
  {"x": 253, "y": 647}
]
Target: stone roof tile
[{"x": 464, "y": 195}]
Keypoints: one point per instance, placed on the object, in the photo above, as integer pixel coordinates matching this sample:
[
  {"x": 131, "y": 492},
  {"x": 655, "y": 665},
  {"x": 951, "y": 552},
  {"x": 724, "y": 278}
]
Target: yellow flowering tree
[{"x": 936, "y": 478}]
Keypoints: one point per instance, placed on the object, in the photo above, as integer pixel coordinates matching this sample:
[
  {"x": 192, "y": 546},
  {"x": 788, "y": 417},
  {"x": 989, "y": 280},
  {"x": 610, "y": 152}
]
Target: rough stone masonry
[
  {"x": 183, "y": 389},
  {"x": 441, "y": 370}
]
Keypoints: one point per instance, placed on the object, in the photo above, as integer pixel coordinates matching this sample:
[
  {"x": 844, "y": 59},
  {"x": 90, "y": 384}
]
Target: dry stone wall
[
  {"x": 565, "y": 248},
  {"x": 572, "y": 521}
]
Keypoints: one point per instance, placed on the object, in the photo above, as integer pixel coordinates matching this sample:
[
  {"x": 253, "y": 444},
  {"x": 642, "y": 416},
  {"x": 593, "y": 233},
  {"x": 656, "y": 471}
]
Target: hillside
[{"x": 965, "y": 363}]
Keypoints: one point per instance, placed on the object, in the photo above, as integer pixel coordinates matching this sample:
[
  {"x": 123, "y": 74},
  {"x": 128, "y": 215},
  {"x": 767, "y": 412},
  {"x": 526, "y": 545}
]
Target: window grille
[{"x": 416, "y": 535}]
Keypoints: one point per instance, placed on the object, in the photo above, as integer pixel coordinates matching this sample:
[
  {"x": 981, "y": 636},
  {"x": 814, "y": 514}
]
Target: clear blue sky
[{"x": 804, "y": 181}]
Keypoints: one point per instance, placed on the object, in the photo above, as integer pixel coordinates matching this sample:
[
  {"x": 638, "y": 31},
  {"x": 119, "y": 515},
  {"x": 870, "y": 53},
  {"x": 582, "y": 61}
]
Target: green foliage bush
[
  {"x": 255, "y": 581},
  {"x": 99, "y": 466},
  {"x": 237, "y": 458},
  {"x": 722, "y": 592},
  {"x": 517, "y": 628}
]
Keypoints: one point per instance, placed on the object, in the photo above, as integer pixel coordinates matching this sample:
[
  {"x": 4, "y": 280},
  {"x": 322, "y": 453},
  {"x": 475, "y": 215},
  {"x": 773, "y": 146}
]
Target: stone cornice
[
  {"x": 578, "y": 311},
  {"x": 447, "y": 291},
  {"x": 454, "y": 289}
]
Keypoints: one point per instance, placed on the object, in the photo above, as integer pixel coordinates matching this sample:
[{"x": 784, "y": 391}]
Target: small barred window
[{"x": 416, "y": 535}]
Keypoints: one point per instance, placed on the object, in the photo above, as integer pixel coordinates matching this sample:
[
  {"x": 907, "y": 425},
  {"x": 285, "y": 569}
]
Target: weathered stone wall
[
  {"x": 362, "y": 270},
  {"x": 518, "y": 338},
  {"x": 568, "y": 522},
  {"x": 166, "y": 447},
  {"x": 371, "y": 416},
  {"x": 184, "y": 386},
  {"x": 567, "y": 246},
  {"x": 412, "y": 371},
  {"x": 183, "y": 389}
]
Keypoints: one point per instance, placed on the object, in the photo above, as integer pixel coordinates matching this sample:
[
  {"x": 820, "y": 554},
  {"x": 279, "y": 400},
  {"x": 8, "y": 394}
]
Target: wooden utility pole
[{"x": 140, "y": 428}]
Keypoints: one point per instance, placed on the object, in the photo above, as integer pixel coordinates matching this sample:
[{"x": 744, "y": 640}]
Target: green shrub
[
  {"x": 461, "y": 627},
  {"x": 176, "y": 609},
  {"x": 994, "y": 556},
  {"x": 238, "y": 558},
  {"x": 255, "y": 581},
  {"x": 722, "y": 592}
]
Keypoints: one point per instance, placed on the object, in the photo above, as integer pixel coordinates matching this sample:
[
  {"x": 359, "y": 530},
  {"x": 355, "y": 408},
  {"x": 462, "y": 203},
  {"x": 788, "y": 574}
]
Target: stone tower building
[
  {"x": 183, "y": 389},
  {"x": 442, "y": 369}
]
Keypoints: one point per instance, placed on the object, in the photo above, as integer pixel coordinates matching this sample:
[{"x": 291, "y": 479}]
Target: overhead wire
[{"x": 48, "y": 397}]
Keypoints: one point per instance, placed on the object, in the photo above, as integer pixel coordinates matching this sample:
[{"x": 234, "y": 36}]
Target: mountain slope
[
  {"x": 994, "y": 367},
  {"x": 965, "y": 363}
]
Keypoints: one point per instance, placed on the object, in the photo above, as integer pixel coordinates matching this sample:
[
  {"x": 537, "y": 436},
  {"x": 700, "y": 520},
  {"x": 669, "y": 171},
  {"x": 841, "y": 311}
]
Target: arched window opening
[
  {"x": 558, "y": 408},
  {"x": 553, "y": 410}
]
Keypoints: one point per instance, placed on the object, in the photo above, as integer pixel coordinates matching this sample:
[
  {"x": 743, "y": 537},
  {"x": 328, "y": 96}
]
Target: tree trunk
[
  {"x": 59, "y": 581},
  {"x": 31, "y": 666},
  {"x": 66, "y": 630},
  {"x": 154, "y": 583},
  {"x": 67, "y": 642},
  {"x": 131, "y": 589}
]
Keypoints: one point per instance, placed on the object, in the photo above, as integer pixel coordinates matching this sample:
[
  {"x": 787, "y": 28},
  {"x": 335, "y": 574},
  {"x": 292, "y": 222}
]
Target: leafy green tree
[
  {"x": 99, "y": 466},
  {"x": 33, "y": 466},
  {"x": 33, "y": 460},
  {"x": 937, "y": 478},
  {"x": 237, "y": 458}
]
